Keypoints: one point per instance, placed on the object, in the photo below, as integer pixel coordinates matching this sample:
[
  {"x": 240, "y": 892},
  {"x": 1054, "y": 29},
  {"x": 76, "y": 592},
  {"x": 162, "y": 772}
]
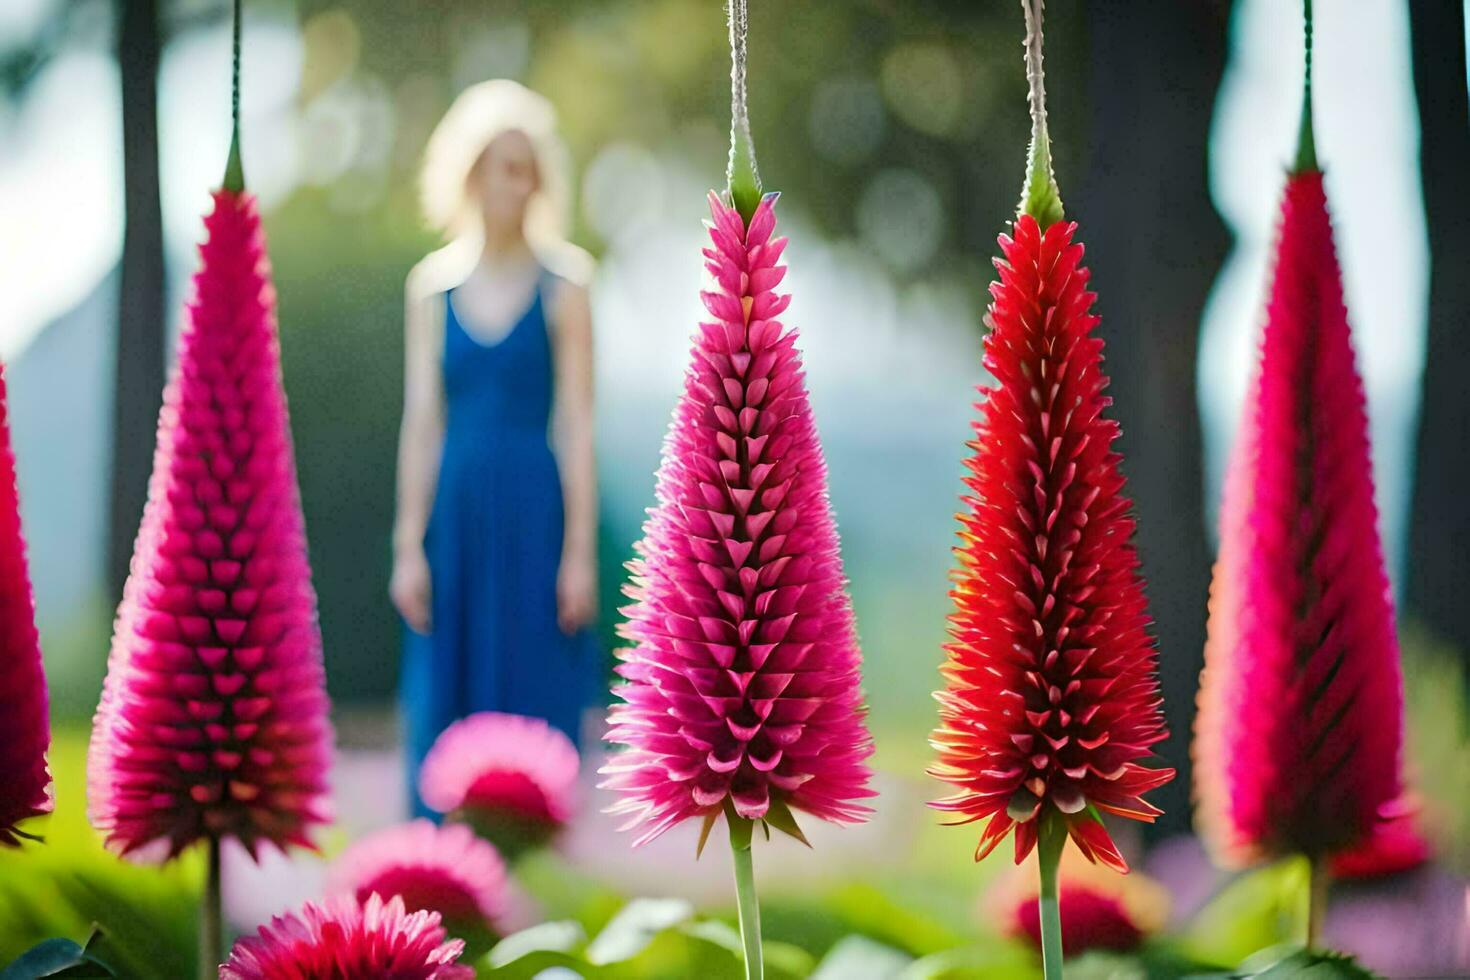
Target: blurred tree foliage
[{"x": 941, "y": 83}]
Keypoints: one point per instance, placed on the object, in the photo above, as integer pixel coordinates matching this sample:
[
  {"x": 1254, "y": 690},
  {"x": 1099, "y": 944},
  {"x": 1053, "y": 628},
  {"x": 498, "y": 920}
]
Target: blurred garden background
[{"x": 895, "y": 130}]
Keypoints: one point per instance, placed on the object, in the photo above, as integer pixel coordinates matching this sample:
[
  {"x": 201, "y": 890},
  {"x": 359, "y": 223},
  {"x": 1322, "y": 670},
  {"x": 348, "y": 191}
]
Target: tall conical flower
[
  {"x": 1051, "y": 699},
  {"x": 743, "y": 685},
  {"x": 25, "y": 729},
  {"x": 1298, "y": 734},
  {"x": 743, "y": 681},
  {"x": 213, "y": 720}
]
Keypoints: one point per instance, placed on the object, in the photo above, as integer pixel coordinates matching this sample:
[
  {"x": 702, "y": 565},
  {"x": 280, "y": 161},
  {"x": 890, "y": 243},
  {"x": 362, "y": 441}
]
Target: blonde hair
[{"x": 480, "y": 114}]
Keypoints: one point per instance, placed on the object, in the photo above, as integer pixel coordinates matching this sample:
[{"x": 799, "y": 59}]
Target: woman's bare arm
[
  {"x": 573, "y": 424},
  {"x": 420, "y": 446}
]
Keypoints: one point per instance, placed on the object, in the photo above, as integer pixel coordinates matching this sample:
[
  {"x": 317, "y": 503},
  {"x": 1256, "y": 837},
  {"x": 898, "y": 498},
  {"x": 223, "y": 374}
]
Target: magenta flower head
[
  {"x": 443, "y": 869},
  {"x": 742, "y": 690},
  {"x": 1297, "y": 742},
  {"x": 25, "y": 727},
  {"x": 503, "y": 772},
  {"x": 213, "y": 719},
  {"x": 343, "y": 940},
  {"x": 743, "y": 679},
  {"x": 1297, "y": 746}
]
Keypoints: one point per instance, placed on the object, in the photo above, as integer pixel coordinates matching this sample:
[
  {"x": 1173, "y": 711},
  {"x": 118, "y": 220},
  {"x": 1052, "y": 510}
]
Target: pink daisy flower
[
  {"x": 343, "y": 940},
  {"x": 500, "y": 767},
  {"x": 446, "y": 869}
]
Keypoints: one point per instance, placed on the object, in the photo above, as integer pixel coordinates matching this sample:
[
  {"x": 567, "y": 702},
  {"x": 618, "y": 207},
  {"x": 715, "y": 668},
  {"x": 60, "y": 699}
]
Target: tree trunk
[
  {"x": 1438, "y": 574},
  {"x": 1155, "y": 244},
  {"x": 140, "y": 312}
]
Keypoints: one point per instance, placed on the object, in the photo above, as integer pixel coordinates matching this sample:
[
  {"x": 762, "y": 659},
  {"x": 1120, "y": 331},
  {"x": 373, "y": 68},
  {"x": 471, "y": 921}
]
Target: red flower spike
[
  {"x": 25, "y": 728},
  {"x": 1297, "y": 742},
  {"x": 1051, "y": 696},
  {"x": 743, "y": 681},
  {"x": 213, "y": 719}
]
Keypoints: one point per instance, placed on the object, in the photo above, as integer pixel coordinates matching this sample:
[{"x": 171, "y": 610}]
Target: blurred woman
[{"x": 494, "y": 546}]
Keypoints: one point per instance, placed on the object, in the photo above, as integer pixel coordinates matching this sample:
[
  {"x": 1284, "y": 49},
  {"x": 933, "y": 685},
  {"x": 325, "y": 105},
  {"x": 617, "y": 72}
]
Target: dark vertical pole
[
  {"x": 1155, "y": 244},
  {"x": 140, "y": 313},
  {"x": 1438, "y": 574}
]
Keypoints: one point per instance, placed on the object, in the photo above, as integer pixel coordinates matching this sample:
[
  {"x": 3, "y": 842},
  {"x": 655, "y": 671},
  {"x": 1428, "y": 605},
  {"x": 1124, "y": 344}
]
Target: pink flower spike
[
  {"x": 743, "y": 680},
  {"x": 343, "y": 940},
  {"x": 443, "y": 869},
  {"x": 25, "y": 728},
  {"x": 1297, "y": 742},
  {"x": 502, "y": 765},
  {"x": 213, "y": 719}
]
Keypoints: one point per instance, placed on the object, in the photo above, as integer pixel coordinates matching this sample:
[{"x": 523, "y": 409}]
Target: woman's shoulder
[
  {"x": 569, "y": 267},
  {"x": 441, "y": 270}
]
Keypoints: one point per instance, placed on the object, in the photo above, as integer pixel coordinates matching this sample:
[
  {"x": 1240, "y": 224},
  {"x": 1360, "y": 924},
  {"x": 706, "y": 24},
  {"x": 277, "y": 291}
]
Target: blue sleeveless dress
[{"x": 494, "y": 546}]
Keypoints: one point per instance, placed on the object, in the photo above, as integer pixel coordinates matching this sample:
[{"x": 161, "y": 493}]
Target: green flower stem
[
  {"x": 750, "y": 914},
  {"x": 234, "y": 171},
  {"x": 743, "y": 179},
  {"x": 1306, "y": 148},
  {"x": 1316, "y": 898},
  {"x": 211, "y": 918},
  {"x": 1052, "y": 838},
  {"x": 1040, "y": 196}
]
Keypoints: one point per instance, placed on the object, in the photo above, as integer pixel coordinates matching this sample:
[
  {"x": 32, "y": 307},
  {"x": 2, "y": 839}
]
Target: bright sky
[
  {"x": 1368, "y": 144},
  {"x": 61, "y": 158}
]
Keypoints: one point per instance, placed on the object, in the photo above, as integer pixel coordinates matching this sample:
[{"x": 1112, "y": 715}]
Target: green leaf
[
  {"x": 1008, "y": 962},
  {"x": 865, "y": 909},
  {"x": 538, "y": 964},
  {"x": 779, "y": 815},
  {"x": 632, "y": 929},
  {"x": 708, "y": 825},
  {"x": 58, "y": 957},
  {"x": 861, "y": 958},
  {"x": 779, "y": 957},
  {"x": 1101, "y": 965},
  {"x": 554, "y": 937},
  {"x": 1315, "y": 964},
  {"x": 1249, "y": 912}
]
